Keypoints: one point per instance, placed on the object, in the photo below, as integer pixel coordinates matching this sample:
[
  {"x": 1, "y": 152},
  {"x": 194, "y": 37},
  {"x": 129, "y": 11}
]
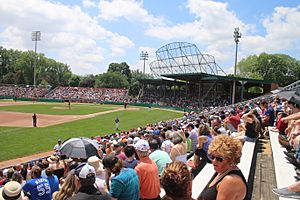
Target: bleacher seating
[
  {"x": 88, "y": 94},
  {"x": 284, "y": 171},
  {"x": 22, "y": 92}
]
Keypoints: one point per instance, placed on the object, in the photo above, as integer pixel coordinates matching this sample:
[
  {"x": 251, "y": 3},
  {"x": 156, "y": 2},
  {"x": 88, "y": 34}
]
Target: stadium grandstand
[{"x": 185, "y": 77}]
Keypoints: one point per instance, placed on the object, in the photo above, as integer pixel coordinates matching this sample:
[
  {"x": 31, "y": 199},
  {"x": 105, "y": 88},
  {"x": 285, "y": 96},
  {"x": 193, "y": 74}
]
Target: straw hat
[{"x": 11, "y": 190}]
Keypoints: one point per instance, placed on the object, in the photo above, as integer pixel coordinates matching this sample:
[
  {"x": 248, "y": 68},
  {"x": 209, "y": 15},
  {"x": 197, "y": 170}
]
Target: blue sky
[{"x": 89, "y": 34}]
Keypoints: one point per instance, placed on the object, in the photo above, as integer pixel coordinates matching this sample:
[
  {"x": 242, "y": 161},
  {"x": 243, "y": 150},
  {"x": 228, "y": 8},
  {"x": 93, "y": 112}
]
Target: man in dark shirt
[
  {"x": 117, "y": 123},
  {"x": 34, "y": 120},
  {"x": 85, "y": 177}
]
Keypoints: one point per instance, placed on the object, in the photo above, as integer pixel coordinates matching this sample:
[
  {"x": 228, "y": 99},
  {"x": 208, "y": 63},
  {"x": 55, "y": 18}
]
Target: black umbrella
[
  {"x": 293, "y": 96},
  {"x": 79, "y": 148}
]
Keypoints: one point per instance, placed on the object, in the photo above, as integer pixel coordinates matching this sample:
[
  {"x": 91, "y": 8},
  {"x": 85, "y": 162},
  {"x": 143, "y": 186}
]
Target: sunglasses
[{"x": 219, "y": 159}]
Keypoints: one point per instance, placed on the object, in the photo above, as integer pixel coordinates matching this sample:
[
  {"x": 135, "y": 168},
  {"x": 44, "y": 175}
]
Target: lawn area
[
  {"x": 59, "y": 108},
  {"x": 18, "y": 142}
]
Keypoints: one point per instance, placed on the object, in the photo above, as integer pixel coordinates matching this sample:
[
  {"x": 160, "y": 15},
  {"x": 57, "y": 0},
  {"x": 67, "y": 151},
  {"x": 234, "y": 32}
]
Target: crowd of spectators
[
  {"x": 183, "y": 99},
  {"x": 23, "y": 92},
  {"x": 99, "y": 95},
  {"x": 135, "y": 164},
  {"x": 88, "y": 94}
]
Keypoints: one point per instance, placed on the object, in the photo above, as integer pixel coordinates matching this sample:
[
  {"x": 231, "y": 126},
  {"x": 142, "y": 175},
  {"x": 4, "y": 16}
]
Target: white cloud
[
  {"x": 213, "y": 30},
  {"x": 282, "y": 33},
  {"x": 89, "y": 3},
  {"x": 131, "y": 10},
  {"x": 66, "y": 31},
  {"x": 283, "y": 28},
  {"x": 118, "y": 43},
  {"x": 212, "y": 22}
]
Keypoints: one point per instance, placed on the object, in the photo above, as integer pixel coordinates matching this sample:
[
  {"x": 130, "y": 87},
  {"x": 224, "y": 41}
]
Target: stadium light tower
[
  {"x": 35, "y": 36},
  {"x": 144, "y": 56},
  {"x": 236, "y": 36}
]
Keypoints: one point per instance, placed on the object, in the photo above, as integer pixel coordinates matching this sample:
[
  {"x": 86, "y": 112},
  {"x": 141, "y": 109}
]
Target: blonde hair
[
  {"x": 176, "y": 180},
  {"x": 203, "y": 129},
  {"x": 227, "y": 147},
  {"x": 68, "y": 188}
]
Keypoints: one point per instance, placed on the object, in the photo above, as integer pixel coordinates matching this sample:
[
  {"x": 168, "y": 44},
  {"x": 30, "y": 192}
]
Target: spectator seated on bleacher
[
  {"x": 68, "y": 188},
  {"x": 225, "y": 153},
  {"x": 179, "y": 150},
  {"x": 85, "y": 184},
  {"x": 12, "y": 190},
  {"x": 125, "y": 183},
  {"x": 161, "y": 158},
  {"x": 147, "y": 172},
  {"x": 33, "y": 187},
  {"x": 177, "y": 181},
  {"x": 204, "y": 140}
]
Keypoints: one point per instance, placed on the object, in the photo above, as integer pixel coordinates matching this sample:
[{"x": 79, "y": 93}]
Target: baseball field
[{"x": 55, "y": 120}]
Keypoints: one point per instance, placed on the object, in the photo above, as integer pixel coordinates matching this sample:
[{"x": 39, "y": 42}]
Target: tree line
[{"x": 16, "y": 67}]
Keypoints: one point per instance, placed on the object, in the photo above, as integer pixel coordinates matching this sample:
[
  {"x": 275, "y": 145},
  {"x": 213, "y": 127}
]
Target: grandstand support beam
[
  {"x": 242, "y": 92},
  {"x": 236, "y": 36},
  {"x": 35, "y": 36}
]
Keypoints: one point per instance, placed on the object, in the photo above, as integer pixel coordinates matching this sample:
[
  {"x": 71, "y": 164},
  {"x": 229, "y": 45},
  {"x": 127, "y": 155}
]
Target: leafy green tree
[
  {"x": 112, "y": 80},
  {"x": 74, "y": 80},
  {"x": 87, "y": 81},
  {"x": 122, "y": 68},
  {"x": 135, "y": 86},
  {"x": 246, "y": 67},
  {"x": 279, "y": 68},
  {"x": 18, "y": 66}
]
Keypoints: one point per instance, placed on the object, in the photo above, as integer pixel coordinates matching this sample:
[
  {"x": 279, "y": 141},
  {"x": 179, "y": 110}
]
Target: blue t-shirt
[
  {"x": 270, "y": 112},
  {"x": 207, "y": 143},
  {"x": 54, "y": 183},
  {"x": 125, "y": 186},
  {"x": 39, "y": 189}
]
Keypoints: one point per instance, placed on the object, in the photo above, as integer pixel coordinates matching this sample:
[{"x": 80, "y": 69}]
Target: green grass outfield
[
  {"x": 17, "y": 142},
  {"x": 58, "y": 108}
]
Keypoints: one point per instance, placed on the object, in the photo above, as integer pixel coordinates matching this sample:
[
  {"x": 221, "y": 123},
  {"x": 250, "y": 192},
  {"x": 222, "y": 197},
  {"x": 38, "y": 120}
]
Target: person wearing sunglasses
[{"x": 225, "y": 153}]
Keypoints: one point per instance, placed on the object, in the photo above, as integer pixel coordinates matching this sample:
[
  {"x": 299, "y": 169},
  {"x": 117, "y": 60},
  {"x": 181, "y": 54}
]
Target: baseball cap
[
  {"x": 156, "y": 132},
  {"x": 109, "y": 161},
  {"x": 136, "y": 139},
  {"x": 142, "y": 145},
  {"x": 122, "y": 144},
  {"x": 85, "y": 171},
  {"x": 129, "y": 140}
]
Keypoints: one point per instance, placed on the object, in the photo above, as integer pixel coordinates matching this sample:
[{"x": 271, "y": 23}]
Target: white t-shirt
[{"x": 57, "y": 148}]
